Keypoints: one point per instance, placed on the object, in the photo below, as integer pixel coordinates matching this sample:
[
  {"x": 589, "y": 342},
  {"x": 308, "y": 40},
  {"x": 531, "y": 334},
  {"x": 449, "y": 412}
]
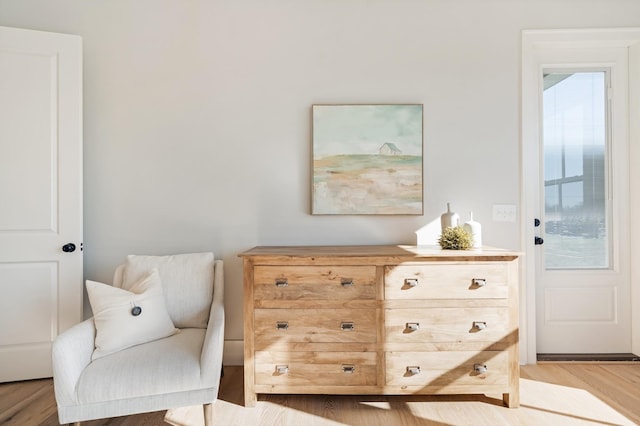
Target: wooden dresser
[{"x": 387, "y": 320}]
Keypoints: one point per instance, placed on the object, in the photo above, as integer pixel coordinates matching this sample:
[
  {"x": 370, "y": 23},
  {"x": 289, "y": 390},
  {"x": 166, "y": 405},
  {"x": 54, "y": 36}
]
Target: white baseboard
[{"x": 233, "y": 352}]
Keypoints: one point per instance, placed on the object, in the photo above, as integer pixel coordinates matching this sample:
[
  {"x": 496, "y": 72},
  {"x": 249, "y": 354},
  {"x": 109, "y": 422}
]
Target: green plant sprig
[{"x": 455, "y": 238}]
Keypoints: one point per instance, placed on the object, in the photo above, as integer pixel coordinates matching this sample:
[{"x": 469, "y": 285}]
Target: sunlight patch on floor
[
  {"x": 565, "y": 405},
  {"x": 381, "y": 405},
  {"x": 541, "y": 404}
]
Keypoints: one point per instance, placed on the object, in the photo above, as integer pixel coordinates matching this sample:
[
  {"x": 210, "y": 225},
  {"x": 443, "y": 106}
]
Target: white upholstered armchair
[{"x": 95, "y": 379}]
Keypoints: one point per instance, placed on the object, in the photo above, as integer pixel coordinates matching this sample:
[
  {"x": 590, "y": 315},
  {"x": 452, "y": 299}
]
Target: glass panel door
[{"x": 575, "y": 156}]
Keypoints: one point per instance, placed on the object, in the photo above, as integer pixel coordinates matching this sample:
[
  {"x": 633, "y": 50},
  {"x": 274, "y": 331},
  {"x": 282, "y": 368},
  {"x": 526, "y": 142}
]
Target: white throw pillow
[
  {"x": 125, "y": 318},
  {"x": 187, "y": 280}
]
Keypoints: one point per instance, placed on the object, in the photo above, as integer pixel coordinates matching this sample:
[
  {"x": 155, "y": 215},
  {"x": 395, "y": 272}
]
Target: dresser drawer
[
  {"x": 450, "y": 368},
  {"x": 314, "y": 326},
  {"x": 446, "y": 325},
  {"x": 442, "y": 280},
  {"x": 315, "y": 368},
  {"x": 314, "y": 282}
]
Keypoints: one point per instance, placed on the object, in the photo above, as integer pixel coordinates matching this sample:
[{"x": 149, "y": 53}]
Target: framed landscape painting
[{"x": 367, "y": 159}]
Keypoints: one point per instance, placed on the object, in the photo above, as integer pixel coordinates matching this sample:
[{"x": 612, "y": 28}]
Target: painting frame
[{"x": 367, "y": 159}]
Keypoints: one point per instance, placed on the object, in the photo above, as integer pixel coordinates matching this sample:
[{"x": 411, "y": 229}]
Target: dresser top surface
[{"x": 403, "y": 251}]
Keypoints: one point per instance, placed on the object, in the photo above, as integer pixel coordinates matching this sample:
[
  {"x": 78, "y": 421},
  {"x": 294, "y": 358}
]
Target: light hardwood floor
[{"x": 551, "y": 394}]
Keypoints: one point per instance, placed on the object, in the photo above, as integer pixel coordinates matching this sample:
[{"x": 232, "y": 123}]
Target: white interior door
[
  {"x": 577, "y": 182},
  {"x": 40, "y": 197}
]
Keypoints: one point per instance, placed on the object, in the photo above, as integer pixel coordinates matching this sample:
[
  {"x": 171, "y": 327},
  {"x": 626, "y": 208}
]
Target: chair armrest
[
  {"x": 212, "y": 349},
  {"x": 71, "y": 353}
]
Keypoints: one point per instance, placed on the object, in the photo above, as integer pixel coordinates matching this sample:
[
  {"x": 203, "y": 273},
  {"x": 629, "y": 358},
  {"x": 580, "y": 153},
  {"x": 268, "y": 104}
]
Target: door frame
[{"x": 532, "y": 40}]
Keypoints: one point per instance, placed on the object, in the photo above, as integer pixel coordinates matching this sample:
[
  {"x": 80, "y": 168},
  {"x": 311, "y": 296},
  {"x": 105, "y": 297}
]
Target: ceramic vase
[
  {"x": 449, "y": 219},
  {"x": 475, "y": 230}
]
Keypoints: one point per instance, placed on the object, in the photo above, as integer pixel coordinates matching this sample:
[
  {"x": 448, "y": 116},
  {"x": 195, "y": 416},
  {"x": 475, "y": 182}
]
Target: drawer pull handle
[
  {"x": 348, "y": 368},
  {"x": 413, "y": 326},
  {"x": 413, "y": 370},
  {"x": 346, "y": 282},
  {"x": 282, "y": 325},
  {"x": 479, "y": 325},
  {"x": 282, "y": 282},
  {"x": 480, "y": 368},
  {"x": 479, "y": 282},
  {"x": 411, "y": 282},
  {"x": 347, "y": 326},
  {"x": 282, "y": 369}
]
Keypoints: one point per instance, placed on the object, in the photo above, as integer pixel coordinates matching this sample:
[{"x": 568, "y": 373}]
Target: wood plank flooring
[{"x": 551, "y": 394}]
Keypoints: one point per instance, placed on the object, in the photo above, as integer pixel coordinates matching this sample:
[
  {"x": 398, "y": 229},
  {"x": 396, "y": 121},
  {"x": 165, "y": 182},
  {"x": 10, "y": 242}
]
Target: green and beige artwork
[{"x": 367, "y": 159}]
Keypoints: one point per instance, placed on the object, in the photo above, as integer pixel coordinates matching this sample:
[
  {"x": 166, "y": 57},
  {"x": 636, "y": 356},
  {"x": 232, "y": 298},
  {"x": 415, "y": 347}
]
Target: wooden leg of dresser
[
  {"x": 250, "y": 398},
  {"x": 511, "y": 400}
]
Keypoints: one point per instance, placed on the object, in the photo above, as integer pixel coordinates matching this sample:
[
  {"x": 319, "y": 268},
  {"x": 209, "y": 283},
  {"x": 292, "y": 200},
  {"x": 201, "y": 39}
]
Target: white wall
[{"x": 197, "y": 113}]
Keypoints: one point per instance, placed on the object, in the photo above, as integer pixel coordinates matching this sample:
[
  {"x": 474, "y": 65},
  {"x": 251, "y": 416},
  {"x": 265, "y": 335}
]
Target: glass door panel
[{"x": 575, "y": 153}]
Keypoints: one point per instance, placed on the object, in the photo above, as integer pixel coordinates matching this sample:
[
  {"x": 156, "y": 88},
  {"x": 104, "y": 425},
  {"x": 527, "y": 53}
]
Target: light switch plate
[{"x": 504, "y": 212}]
